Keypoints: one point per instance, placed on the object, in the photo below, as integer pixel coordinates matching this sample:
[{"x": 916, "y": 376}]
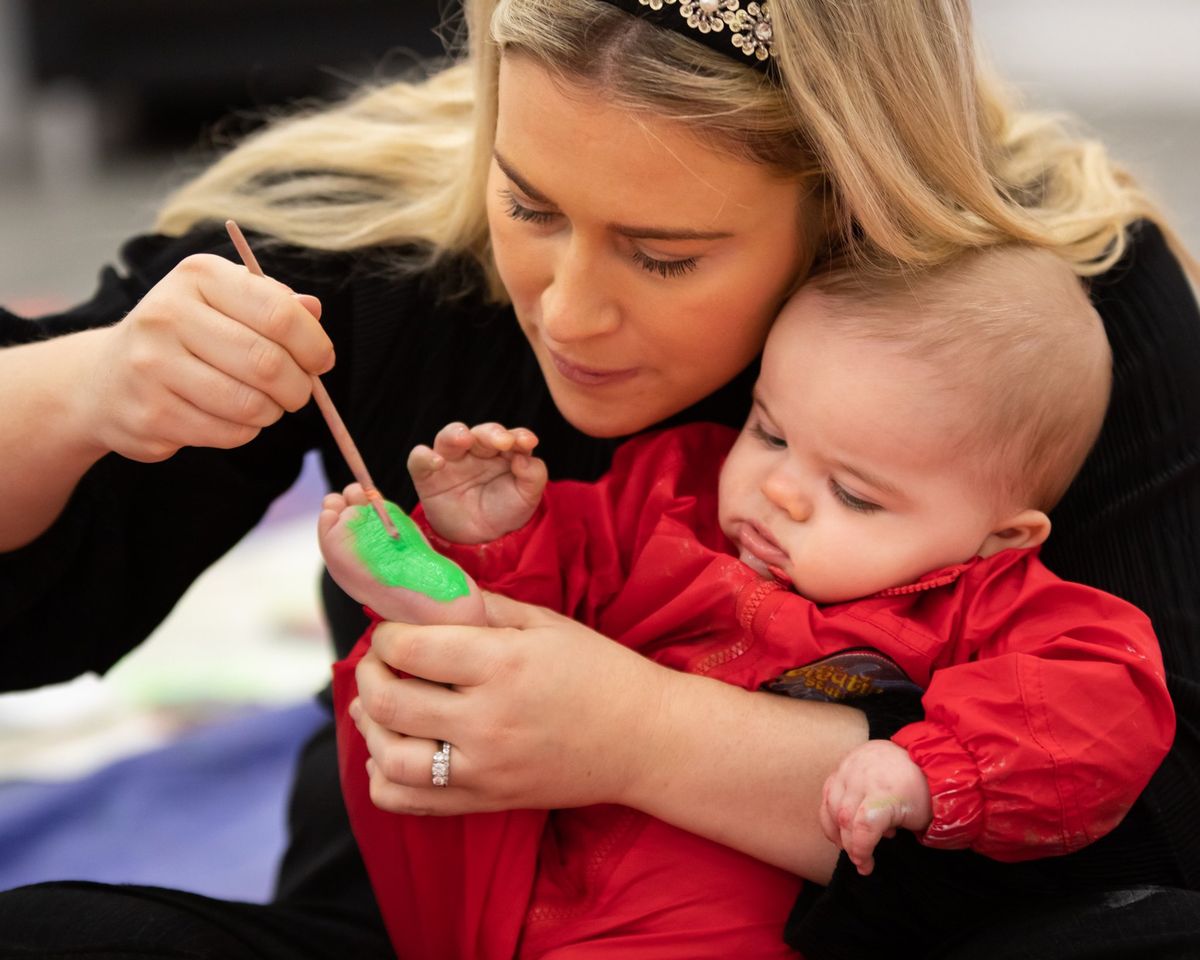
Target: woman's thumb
[{"x": 502, "y": 611}]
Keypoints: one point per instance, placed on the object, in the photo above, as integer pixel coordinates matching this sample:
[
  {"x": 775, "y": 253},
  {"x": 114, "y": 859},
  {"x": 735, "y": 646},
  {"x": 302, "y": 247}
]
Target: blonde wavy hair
[{"x": 919, "y": 151}]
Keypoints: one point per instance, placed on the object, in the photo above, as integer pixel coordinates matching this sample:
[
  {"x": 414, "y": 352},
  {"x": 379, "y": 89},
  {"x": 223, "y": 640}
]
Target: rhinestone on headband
[{"x": 744, "y": 28}]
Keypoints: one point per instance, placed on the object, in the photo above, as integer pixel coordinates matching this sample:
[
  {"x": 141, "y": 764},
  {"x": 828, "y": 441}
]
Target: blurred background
[{"x": 173, "y": 768}]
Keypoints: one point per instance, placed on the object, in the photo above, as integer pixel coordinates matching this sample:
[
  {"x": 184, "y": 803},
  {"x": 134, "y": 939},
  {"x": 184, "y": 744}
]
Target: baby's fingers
[
  {"x": 524, "y": 440},
  {"x": 530, "y": 476},
  {"x": 827, "y": 814},
  {"x": 492, "y": 439},
  {"x": 453, "y": 441},
  {"x": 865, "y": 830},
  {"x": 424, "y": 462}
]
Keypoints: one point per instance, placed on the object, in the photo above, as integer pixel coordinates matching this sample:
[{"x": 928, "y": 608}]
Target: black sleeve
[
  {"x": 1130, "y": 524},
  {"x": 134, "y": 536}
]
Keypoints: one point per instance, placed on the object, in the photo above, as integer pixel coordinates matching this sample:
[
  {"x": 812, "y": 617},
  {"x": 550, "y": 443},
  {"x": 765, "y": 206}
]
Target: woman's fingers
[
  {"x": 462, "y": 656},
  {"x": 407, "y": 761},
  {"x": 265, "y": 306},
  {"x": 209, "y": 356},
  {"x": 211, "y": 389},
  {"x": 247, "y": 357},
  {"x": 504, "y": 611}
]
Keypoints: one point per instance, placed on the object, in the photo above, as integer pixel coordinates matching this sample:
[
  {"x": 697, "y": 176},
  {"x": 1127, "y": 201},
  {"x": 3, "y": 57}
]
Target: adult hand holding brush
[{"x": 207, "y": 358}]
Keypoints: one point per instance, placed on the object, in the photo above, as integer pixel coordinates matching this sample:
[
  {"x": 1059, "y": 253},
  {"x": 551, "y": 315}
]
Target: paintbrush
[{"x": 337, "y": 426}]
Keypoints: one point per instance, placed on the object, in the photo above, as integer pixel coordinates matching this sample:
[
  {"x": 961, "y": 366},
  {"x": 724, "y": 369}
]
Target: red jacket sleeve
[
  {"x": 1051, "y": 721},
  {"x": 575, "y": 553}
]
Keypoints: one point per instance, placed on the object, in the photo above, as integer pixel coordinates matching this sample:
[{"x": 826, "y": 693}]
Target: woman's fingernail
[{"x": 355, "y": 710}]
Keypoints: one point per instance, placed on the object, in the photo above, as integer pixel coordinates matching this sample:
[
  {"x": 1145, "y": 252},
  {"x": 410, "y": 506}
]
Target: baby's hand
[
  {"x": 478, "y": 483},
  {"x": 876, "y": 790}
]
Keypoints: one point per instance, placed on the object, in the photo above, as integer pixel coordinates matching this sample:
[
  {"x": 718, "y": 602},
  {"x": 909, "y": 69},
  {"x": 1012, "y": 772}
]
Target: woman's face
[{"x": 644, "y": 267}]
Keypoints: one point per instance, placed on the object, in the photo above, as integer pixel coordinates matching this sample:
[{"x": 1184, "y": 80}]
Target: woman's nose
[
  {"x": 577, "y": 303},
  {"x": 784, "y": 492}
]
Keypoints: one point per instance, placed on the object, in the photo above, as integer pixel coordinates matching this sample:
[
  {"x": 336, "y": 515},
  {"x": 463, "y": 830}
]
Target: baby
[{"x": 872, "y": 529}]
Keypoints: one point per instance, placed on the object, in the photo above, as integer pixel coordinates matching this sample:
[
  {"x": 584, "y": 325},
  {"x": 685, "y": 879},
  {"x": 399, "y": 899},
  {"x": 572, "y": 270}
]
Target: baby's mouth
[{"x": 759, "y": 551}]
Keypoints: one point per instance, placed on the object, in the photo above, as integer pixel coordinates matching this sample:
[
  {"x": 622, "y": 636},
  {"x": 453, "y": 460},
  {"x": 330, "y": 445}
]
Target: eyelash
[
  {"x": 518, "y": 211},
  {"x": 664, "y": 268},
  {"x": 840, "y": 493},
  {"x": 776, "y": 443},
  {"x": 850, "y": 500}
]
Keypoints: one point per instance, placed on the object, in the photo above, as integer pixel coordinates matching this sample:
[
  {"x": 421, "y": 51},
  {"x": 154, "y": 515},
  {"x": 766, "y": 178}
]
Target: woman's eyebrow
[
  {"x": 526, "y": 187},
  {"x": 626, "y": 230}
]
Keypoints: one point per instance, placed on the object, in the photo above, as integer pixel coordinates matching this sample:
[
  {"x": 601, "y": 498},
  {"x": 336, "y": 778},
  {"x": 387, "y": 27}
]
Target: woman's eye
[
  {"x": 769, "y": 439},
  {"x": 665, "y": 268},
  {"x": 850, "y": 500},
  {"x": 518, "y": 210}
]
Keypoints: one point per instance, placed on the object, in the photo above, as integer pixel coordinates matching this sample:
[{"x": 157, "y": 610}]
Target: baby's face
[{"x": 845, "y": 479}]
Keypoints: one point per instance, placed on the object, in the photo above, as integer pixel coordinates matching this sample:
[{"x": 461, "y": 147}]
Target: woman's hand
[
  {"x": 207, "y": 358},
  {"x": 541, "y": 712}
]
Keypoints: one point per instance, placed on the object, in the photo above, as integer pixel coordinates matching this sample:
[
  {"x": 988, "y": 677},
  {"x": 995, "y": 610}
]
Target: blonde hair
[
  {"x": 918, "y": 152},
  {"x": 1013, "y": 343}
]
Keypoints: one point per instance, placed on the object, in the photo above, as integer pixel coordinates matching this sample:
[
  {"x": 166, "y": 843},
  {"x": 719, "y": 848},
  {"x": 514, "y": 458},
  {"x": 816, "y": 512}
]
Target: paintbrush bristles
[{"x": 337, "y": 426}]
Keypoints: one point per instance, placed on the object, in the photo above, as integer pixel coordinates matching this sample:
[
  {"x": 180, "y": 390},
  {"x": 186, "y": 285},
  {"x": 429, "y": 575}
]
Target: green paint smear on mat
[{"x": 408, "y": 561}]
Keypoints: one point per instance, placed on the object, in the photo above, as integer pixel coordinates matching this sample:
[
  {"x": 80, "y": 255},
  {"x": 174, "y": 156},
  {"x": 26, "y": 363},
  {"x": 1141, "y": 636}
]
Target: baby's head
[{"x": 904, "y": 424}]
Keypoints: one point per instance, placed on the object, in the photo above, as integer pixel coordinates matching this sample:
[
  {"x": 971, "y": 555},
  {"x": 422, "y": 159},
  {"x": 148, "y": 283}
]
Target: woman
[{"x": 612, "y": 180}]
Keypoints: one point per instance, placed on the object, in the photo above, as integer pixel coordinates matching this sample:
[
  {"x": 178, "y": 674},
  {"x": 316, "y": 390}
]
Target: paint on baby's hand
[{"x": 407, "y": 561}]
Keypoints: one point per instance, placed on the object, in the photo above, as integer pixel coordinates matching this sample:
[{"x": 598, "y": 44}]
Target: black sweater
[{"x": 419, "y": 350}]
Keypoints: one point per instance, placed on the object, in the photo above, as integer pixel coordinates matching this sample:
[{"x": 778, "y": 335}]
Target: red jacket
[{"x": 1046, "y": 714}]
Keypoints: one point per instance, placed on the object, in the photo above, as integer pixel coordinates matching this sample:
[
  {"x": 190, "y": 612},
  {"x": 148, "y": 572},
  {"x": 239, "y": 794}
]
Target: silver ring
[{"x": 441, "y": 766}]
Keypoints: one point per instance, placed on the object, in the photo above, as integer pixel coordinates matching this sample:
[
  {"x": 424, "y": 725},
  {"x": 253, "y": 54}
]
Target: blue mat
[{"x": 206, "y": 813}]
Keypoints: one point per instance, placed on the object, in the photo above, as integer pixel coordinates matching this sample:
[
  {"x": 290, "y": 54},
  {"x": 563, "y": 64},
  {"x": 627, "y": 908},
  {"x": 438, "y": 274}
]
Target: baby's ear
[{"x": 1029, "y": 528}]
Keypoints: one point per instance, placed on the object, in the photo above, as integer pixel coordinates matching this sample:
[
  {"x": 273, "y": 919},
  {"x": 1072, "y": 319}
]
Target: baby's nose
[{"x": 785, "y": 494}]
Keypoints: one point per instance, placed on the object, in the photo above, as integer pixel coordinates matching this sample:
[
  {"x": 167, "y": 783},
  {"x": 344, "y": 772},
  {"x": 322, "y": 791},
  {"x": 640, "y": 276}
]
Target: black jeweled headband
[{"x": 736, "y": 28}]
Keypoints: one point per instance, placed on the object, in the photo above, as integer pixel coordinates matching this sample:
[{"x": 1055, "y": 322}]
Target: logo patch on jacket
[{"x": 848, "y": 675}]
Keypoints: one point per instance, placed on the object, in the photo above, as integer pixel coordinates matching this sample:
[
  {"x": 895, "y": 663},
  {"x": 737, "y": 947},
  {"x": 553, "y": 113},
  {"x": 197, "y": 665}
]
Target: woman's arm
[
  {"x": 546, "y": 713},
  {"x": 745, "y": 769},
  {"x": 110, "y": 545},
  {"x": 45, "y": 442},
  {"x": 207, "y": 358}
]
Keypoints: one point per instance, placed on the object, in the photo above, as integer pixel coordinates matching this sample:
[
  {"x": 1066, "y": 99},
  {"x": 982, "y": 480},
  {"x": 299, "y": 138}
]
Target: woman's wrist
[
  {"x": 47, "y": 437},
  {"x": 74, "y": 395}
]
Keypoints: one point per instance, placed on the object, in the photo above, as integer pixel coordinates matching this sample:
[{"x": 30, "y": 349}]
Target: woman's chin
[{"x": 606, "y": 417}]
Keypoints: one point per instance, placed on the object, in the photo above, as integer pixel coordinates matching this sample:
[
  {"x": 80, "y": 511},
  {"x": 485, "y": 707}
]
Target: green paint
[{"x": 408, "y": 561}]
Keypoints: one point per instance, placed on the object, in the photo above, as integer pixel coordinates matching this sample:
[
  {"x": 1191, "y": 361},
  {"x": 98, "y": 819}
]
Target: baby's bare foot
[{"x": 404, "y": 580}]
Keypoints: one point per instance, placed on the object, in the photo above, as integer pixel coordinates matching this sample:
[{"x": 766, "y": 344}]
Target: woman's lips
[
  {"x": 758, "y": 544},
  {"x": 588, "y": 376}
]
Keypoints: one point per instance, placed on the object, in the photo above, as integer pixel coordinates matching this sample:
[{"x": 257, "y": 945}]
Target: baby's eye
[
  {"x": 777, "y": 443},
  {"x": 850, "y": 500}
]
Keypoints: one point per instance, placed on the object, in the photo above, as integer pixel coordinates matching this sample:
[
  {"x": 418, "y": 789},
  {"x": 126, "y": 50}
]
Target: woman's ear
[{"x": 1029, "y": 528}]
